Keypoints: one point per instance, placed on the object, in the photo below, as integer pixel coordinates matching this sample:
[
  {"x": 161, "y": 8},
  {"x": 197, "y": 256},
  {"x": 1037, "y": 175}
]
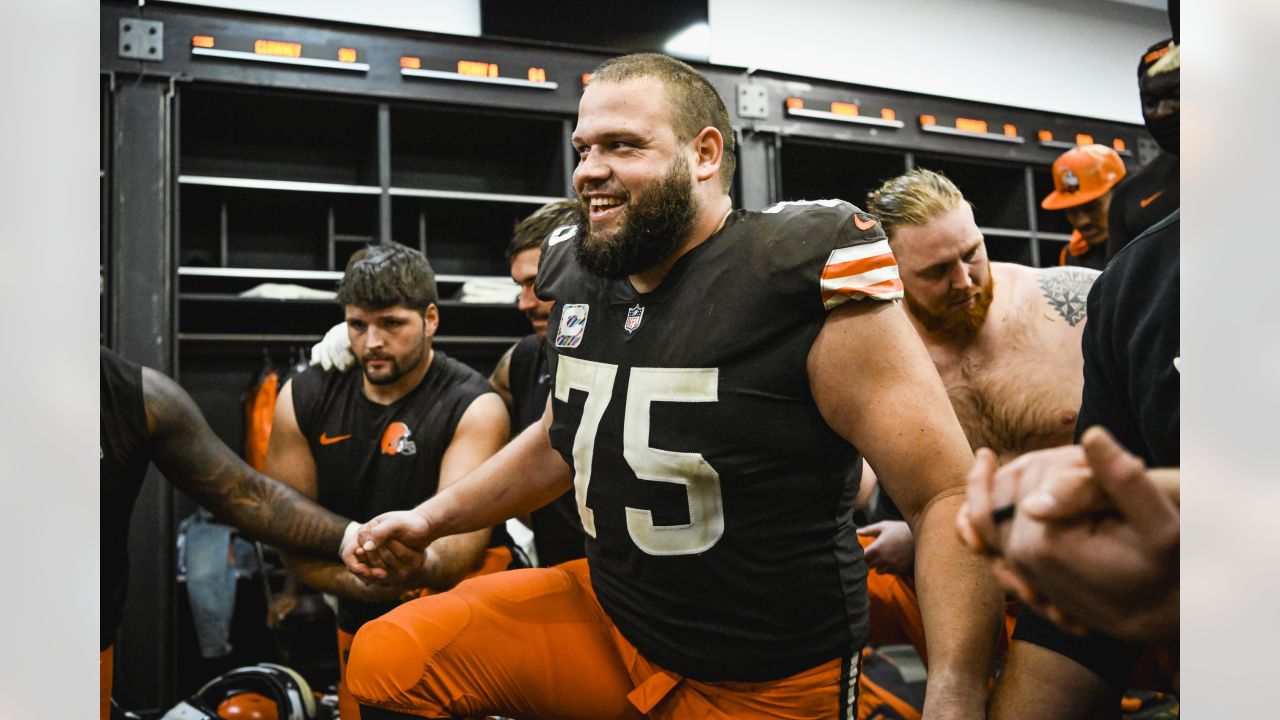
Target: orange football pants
[
  {"x": 535, "y": 643},
  {"x": 106, "y": 663},
  {"x": 894, "y": 619},
  {"x": 495, "y": 559}
]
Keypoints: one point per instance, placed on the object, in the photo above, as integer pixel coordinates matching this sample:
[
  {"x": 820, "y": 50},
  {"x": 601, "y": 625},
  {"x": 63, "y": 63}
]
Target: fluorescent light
[{"x": 692, "y": 42}]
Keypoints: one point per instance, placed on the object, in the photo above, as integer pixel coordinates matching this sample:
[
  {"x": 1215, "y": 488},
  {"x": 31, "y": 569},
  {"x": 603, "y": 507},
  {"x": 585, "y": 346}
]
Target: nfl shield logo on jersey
[
  {"x": 634, "y": 316},
  {"x": 573, "y": 322}
]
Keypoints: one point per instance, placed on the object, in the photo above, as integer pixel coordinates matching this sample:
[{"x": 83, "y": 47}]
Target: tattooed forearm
[
  {"x": 1066, "y": 289},
  {"x": 192, "y": 457},
  {"x": 272, "y": 512}
]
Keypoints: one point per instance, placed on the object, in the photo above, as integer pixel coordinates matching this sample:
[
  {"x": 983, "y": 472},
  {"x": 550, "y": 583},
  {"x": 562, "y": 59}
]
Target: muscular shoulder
[
  {"x": 313, "y": 389},
  {"x": 169, "y": 408},
  {"x": 460, "y": 374},
  {"x": 1013, "y": 280},
  {"x": 828, "y": 246},
  {"x": 458, "y": 385},
  {"x": 121, "y": 390},
  {"x": 791, "y": 228},
  {"x": 1062, "y": 291},
  {"x": 314, "y": 380},
  {"x": 805, "y": 212}
]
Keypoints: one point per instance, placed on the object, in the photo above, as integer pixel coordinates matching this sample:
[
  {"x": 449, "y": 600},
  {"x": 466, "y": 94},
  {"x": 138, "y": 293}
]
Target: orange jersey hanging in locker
[{"x": 259, "y": 407}]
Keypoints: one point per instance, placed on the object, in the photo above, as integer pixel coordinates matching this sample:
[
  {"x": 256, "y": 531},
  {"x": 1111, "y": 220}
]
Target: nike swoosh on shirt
[
  {"x": 861, "y": 225},
  {"x": 1148, "y": 200},
  {"x": 326, "y": 440}
]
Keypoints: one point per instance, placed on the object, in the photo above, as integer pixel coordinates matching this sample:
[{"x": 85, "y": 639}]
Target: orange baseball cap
[{"x": 1083, "y": 174}]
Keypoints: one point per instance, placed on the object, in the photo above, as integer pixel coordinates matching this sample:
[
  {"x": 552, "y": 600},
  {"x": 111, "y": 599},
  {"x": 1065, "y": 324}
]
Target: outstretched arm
[
  {"x": 481, "y": 433},
  {"x": 191, "y": 456},
  {"x": 523, "y": 476},
  {"x": 875, "y": 385}
]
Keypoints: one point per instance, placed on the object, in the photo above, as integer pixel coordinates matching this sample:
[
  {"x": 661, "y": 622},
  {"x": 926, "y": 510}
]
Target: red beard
[{"x": 956, "y": 324}]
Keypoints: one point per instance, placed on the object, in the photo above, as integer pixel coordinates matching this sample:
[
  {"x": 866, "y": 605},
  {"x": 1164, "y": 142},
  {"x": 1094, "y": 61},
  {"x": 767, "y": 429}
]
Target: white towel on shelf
[
  {"x": 498, "y": 291},
  {"x": 287, "y": 291}
]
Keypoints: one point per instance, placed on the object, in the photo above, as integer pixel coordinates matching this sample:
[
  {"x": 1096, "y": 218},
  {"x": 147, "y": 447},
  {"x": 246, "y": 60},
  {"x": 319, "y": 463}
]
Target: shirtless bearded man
[{"x": 1004, "y": 337}]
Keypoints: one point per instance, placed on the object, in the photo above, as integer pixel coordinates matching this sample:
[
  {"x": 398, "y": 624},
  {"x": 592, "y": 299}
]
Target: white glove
[{"x": 333, "y": 352}]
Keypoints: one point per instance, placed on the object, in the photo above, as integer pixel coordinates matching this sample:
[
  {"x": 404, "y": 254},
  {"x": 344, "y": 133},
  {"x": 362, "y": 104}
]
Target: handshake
[{"x": 391, "y": 549}]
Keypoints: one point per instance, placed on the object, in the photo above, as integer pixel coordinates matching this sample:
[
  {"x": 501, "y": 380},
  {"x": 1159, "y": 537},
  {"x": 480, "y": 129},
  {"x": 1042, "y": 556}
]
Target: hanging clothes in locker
[{"x": 259, "y": 408}]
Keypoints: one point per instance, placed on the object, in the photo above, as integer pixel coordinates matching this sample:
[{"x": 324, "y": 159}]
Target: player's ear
[
  {"x": 430, "y": 320},
  {"x": 708, "y": 150}
]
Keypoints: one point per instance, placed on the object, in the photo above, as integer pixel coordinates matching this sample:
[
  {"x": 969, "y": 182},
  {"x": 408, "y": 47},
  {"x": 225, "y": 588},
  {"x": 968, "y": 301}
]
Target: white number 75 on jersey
[{"x": 701, "y": 481}]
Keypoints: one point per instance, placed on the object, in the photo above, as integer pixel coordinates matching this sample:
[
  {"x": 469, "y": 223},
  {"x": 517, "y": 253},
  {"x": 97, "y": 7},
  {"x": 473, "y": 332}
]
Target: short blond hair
[{"x": 915, "y": 198}]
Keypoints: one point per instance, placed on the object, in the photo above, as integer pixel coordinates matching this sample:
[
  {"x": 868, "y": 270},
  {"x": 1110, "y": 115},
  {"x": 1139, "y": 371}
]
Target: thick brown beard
[
  {"x": 657, "y": 222},
  {"x": 955, "y": 326}
]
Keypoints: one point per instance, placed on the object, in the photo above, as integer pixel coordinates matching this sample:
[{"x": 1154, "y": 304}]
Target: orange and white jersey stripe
[{"x": 859, "y": 271}]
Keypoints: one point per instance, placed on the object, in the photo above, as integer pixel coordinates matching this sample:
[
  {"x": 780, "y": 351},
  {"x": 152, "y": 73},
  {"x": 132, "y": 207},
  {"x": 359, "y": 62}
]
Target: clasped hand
[
  {"x": 1092, "y": 541},
  {"x": 391, "y": 549}
]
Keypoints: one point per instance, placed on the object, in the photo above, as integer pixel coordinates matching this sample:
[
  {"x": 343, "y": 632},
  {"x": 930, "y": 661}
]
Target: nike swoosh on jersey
[
  {"x": 326, "y": 440},
  {"x": 862, "y": 225},
  {"x": 859, "y": 271},
  {"x": 1148, "y": 200}
]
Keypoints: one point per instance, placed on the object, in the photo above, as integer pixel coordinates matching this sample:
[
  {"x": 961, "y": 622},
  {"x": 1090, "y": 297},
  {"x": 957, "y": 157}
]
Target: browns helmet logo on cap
[
  {"x": 1083, "y": 174},
  {"x": 1070, "y": 183},
  {"x": 396, "y": 440}
]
